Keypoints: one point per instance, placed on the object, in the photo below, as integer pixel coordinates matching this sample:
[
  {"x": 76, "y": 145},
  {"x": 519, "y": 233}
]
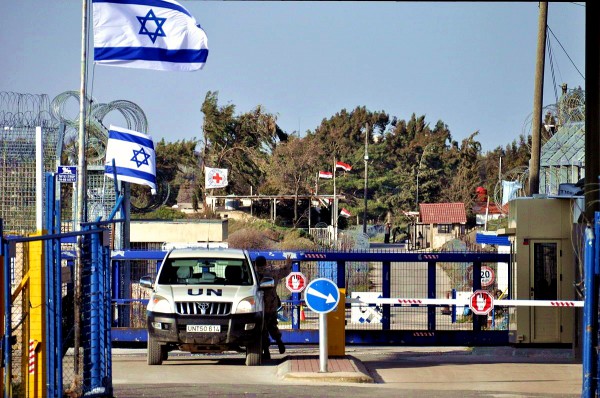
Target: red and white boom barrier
[{"x": 463, "y": 302}]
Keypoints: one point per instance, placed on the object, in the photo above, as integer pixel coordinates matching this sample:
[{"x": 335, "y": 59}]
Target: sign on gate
[
  {"x": 365, "y": 313},
  {"x": 487, "y": 276},
  {"x": 295, "y": 282},
  {"x": 67, "y": 174},
  {"x": 481, "y": 302}
]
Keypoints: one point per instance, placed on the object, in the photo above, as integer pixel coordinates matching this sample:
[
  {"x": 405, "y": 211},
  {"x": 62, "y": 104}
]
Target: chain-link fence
[
  {"x": 43, "y": 304},
  {"x": 18, "y": 174}
]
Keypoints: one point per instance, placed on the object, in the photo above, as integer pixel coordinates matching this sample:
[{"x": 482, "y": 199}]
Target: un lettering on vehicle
[{"x": 209, "y": 292}]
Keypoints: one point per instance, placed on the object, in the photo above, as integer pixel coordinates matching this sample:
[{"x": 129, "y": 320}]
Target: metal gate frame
[
  {"x": 96, "y": 348},
  {"x": 95, "y": 378},
  {"x": 430, "y": 336}
]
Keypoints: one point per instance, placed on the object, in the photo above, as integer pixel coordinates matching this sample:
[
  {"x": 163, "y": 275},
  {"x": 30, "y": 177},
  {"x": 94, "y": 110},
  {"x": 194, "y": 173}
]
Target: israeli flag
[
  {"x": 148, "y": 34},
  {"x": 133, "y": 153}
]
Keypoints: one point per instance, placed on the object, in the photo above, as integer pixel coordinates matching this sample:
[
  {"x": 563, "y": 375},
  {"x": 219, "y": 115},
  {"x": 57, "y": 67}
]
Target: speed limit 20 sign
[{"x": 487, "y": 276}]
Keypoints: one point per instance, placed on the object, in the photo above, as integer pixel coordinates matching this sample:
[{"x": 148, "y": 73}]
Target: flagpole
[
  {"x": 317, "y": 186},
  {"x": 310, "y": 199},
  {"x": 81, "y": 183},
  {"x": 334, "y": 205}
]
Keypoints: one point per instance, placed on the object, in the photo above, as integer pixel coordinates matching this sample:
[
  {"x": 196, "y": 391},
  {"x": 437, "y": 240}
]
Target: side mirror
[
  {"x": 267, "y": 282},
  {"x": 147, "y": 282}
]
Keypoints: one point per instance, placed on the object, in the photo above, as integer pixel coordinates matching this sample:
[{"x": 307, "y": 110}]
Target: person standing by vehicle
[
  {"x": 386, "y": 233},
  {"x": 272, "y": 302}
]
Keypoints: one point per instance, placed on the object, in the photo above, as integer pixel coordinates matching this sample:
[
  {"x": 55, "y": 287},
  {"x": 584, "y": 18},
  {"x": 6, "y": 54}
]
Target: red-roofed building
[
  {"x": 442, "y": 222},
  {"x": 488, "y": 211}
]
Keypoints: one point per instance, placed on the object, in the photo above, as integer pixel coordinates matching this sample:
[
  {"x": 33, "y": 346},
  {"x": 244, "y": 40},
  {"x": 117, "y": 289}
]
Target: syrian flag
[
  {"x": 324, "y": 201},
  {"x": 343, "y": 166},
  {"x": 325, "y": 174},
  {"x": 345, "y": 213}
]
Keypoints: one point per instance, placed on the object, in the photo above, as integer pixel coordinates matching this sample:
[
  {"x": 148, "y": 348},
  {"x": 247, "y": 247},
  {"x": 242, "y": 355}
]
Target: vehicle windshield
[{"x": 205, "y": 271}]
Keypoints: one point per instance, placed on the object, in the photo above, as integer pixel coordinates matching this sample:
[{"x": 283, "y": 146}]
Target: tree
[
  {"x": 242, "y": 144},
  {"x": 292, "y": 168},
  {"x": 176, "y": 163},
  {"x": 464, "y": 174}
]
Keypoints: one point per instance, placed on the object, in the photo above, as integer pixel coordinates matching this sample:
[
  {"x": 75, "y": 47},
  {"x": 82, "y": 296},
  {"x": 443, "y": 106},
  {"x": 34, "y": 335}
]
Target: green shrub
[
  {"x": 249, "y": 238},
  {"x": 162, "y": 213},
  {"x": 297, "y": 243}
]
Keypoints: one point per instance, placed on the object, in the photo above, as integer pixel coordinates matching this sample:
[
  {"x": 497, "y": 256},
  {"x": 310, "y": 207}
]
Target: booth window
[{"x": 545, "y": 268}]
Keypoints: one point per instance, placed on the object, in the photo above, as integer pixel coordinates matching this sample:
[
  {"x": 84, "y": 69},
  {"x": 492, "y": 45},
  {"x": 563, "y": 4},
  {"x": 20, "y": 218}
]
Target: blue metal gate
[
  {"x": 65, "y": 371},
  {"x": 385, "y": 274}
]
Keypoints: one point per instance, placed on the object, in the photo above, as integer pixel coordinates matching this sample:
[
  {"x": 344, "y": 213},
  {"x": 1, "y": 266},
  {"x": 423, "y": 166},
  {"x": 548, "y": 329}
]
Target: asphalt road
[{"x": 448, "y": 372}]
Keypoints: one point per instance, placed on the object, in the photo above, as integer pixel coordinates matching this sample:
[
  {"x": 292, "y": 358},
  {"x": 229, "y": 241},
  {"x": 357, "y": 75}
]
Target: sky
[{"x": 471, "y": 65}]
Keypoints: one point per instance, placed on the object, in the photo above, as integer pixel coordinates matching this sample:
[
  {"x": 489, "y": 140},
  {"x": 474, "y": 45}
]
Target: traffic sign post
[
  {"x": 322, "y": 296},
  {"x": 295, "y": 282},
  {"x": 481, "y": 302}
]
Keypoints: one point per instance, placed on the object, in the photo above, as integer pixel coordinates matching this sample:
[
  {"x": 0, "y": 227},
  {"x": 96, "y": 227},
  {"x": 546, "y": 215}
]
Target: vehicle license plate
[{"x": 204, "y": 328}]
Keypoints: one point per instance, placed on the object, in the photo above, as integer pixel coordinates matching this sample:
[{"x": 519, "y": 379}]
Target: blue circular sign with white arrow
[{"x": 321, "y": 295}]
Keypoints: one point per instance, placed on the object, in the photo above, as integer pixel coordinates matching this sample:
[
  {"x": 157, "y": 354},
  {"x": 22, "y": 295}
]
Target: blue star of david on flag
[
  {"x": 159, "y": 32},
  {"x": 136, "y": 159},
  {"x": 122, "y": 29},
  {"x": 118, "y": 164}
]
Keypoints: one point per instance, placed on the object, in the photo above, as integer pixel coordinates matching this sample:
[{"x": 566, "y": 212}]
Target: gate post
[
  {"x": 95, "y": 309},
  {"x": 477, "y": 319},
  {"x": 386, "y": 291},
  {"x": 5, "y": 316},
  {"x": 295, "y": 301},
  {"x": 36, "y": 382},
  {"x": 341, "y": 274},
  {"x": 589, "y": 311},
  {"x": 431, "y": 279}
]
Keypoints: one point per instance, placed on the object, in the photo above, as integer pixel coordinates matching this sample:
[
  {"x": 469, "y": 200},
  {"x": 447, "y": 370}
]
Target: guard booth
[{"x": 541, "y": 232}]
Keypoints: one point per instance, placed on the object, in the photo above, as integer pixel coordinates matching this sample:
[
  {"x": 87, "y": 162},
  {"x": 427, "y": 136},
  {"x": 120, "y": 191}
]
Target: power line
[
  {"x": 567, "y": 54},
  {"x": 550, "y": 56}
]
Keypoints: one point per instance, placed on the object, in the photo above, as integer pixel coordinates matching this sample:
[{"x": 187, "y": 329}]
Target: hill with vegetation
[{"x": 406, "y": 157}]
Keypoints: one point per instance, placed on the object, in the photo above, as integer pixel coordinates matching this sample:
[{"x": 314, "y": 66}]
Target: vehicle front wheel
[
  {"x": 254, "y": 353},
  {"x": 155, "y": 352}
]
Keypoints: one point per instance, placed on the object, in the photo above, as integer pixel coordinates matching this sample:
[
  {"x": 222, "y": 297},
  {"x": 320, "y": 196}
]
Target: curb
[{"x": 359, "y": 375}]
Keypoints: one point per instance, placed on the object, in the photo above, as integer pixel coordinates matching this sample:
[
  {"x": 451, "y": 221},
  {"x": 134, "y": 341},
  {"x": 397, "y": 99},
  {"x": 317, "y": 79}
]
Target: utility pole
[
  {"x": 366, "y": 176},
  {"x": 592, "y": 107},
  {"x": 538, "y": 96}
]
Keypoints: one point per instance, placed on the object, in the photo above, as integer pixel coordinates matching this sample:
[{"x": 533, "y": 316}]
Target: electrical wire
[
  {"x": 566, "y": 53},
  {"x": 551, "y": 58}
]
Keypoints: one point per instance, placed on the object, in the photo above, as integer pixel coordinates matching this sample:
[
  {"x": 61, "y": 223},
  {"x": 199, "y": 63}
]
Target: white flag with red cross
[{"x": 215, "y": 178}]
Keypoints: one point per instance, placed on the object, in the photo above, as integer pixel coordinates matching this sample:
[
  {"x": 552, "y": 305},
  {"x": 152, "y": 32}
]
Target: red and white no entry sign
[
  {"x": 295, "y": 282},
  {"x": 481, "y": 302}
]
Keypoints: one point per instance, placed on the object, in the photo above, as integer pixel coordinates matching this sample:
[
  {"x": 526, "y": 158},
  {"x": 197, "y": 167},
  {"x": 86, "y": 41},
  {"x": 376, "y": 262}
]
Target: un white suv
[{"x": 206, "y": 300}]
